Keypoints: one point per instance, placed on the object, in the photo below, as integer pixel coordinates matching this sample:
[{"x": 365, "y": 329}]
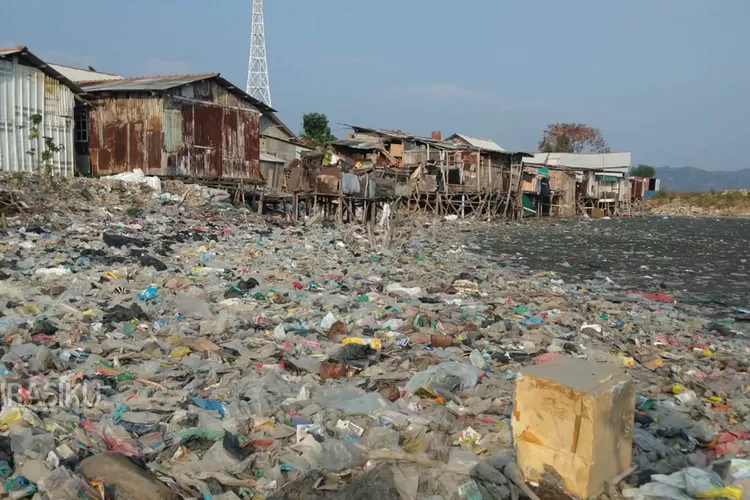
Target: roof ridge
[
  {"x": 475, "y": 137},
  {"x": 17, "y": 48},
  {"x": 82, "y": 69},
  {"x": 153, "y": 77}
]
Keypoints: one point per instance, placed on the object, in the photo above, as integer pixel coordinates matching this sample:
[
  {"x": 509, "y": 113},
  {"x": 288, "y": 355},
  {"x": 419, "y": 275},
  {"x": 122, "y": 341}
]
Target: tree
[
  {"x": 643, "y": 171},
  {"x": 572, "y": 138},
  {"x": 315, "y": 129}
]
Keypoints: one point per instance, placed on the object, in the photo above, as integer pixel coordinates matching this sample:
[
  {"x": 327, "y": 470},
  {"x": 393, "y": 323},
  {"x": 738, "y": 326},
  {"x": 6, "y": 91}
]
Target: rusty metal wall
[
  {"x": 125, "y": 134},
  {"x": 220, "y": 134},
  {"x": 198, "y": 130},
  {"x": 639, "y": 187}
]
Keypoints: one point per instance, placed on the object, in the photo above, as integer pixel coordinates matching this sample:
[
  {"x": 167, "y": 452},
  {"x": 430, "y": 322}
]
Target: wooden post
[
  {"x": 244, "y": 208},
  {"x": 519, "y": 200},
  {"x": 511, "y": 184},
  {"x": 491, "y": 192},
  {"x": 490, "y": 171},
  {"x": 479, "y": 170},
  {"x": 260, "y": 201},
  {"x": 295, "y": 206}
]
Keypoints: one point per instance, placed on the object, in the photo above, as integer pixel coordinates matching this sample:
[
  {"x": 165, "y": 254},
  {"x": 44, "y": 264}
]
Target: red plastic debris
[
  {"x": 657, "y": 297},
  {"x": 544, "y": 358}
]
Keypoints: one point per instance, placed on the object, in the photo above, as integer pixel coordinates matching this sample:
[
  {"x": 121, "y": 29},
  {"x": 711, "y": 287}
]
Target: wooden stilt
[{"x": 260, "y": 201}]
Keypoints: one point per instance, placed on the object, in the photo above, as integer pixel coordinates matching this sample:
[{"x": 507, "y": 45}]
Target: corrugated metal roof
[
  {"x": 583, "y": 161},
  {"x": 8, "y": 51},
  {"x": 485, "y": 144},
  {"x": 30, "y": 59},
  {"x": 161, "y": 83},
  {"x": 356, "y": 144},
  {"x": 393, "y": 134},
  {"x": 398, "y": 134},
  {"x": 145, "y": 84},
  {"x": 82, "y": 75}
]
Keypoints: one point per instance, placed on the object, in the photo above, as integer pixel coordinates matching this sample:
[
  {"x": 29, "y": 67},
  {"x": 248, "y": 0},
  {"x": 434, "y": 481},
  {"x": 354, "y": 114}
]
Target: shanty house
[
  {"x": 195, "y": 126},
  {"x": 279, "y": 147},
  {"x": 601, "y": 178},
  {"x": 474, "y": 143},
  {"x": 31, "y": 88},
  {"x": 278, "y": 140},
  {"x": 497, "y": 167}
]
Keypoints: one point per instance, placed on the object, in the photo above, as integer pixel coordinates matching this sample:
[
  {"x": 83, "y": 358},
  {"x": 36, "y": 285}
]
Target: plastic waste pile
[{"x": 173, "y": 351}]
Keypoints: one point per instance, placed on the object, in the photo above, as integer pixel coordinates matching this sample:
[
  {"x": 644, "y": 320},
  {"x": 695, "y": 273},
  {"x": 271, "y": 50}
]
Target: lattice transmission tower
[{"x": 257, "y": 68}]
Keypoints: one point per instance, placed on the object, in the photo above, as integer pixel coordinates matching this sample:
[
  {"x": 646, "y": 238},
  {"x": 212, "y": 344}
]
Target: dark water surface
[{"x": 698, "y": 257}]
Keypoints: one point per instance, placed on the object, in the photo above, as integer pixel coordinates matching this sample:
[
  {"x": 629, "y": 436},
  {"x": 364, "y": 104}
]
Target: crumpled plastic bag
[
  {"x": 687, "y": 484},
  {"x": 445, "y": 379},
  {"x": 327, "y": 322},
  {"x": 11, "y": 415},
  {"x": 354, "y": 401}
]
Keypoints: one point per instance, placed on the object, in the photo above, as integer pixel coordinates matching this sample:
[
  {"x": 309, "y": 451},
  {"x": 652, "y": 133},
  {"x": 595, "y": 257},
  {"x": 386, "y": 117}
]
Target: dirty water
[{"x": 694, "y": 257}]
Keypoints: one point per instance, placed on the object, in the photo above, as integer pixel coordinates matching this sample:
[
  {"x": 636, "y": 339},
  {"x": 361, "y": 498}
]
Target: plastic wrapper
[
  {"x": 336, "y": 455},
  {"x": 62, "y": 484},
  {"x": 327, "y": 321},
  {"x": 36, "y": 447},
  {"x": 192, "y": 307},
  {"x": 462, "y": 461},
  {"x": 687, "y": 484},
  {"x": 445, "y": 379},
  {"x": 354, "y": 401},
  {"x": 18, "y": 415},
  {"x": 379, "y": 438}
]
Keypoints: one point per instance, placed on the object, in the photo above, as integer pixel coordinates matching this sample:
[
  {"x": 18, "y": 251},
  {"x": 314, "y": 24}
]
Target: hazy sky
[{"x": 665, "y": 79}]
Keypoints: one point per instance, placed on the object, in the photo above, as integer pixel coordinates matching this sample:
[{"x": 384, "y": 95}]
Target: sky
[{"x": 667, "y": 80}]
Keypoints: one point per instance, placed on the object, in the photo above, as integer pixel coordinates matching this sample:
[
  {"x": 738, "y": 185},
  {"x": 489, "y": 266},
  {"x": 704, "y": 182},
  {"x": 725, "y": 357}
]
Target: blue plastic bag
[{"x": 208, "y": 404}]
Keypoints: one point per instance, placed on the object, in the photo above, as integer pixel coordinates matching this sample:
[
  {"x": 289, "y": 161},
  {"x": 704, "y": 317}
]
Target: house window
[{"x": 82, "y": 125}]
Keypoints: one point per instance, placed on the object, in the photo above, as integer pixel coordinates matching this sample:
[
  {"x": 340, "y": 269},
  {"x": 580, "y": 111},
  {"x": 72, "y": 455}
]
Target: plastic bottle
[{"x": 149, "y": 293}]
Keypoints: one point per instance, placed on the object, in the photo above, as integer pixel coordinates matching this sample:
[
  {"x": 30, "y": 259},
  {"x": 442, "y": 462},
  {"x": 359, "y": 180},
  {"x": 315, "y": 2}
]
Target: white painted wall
[{"x": 26, "y": 91}]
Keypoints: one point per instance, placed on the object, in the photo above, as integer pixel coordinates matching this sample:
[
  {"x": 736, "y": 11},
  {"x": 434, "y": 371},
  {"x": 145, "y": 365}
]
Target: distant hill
[{"x": 691, "y": 179}]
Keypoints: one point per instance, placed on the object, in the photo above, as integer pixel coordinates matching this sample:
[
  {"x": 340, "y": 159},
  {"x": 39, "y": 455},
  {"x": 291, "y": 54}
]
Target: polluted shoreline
[
  {"x": 160, "y": 342},
  {"x": 691, "y": 258}
]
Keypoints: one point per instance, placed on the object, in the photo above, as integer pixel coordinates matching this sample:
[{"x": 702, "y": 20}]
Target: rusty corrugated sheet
[
  {"x": 199, "y": 130},
  {"x": 125, "y": 134}
]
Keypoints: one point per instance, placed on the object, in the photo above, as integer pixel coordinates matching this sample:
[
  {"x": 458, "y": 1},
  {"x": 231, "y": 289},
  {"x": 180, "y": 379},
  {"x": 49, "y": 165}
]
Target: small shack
[
  {"x": 187, "y": 126},
  {"x": 31, "y": 88},
  {"x": 602, "y": 184},
  {"x": 459, "y": 175}
]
